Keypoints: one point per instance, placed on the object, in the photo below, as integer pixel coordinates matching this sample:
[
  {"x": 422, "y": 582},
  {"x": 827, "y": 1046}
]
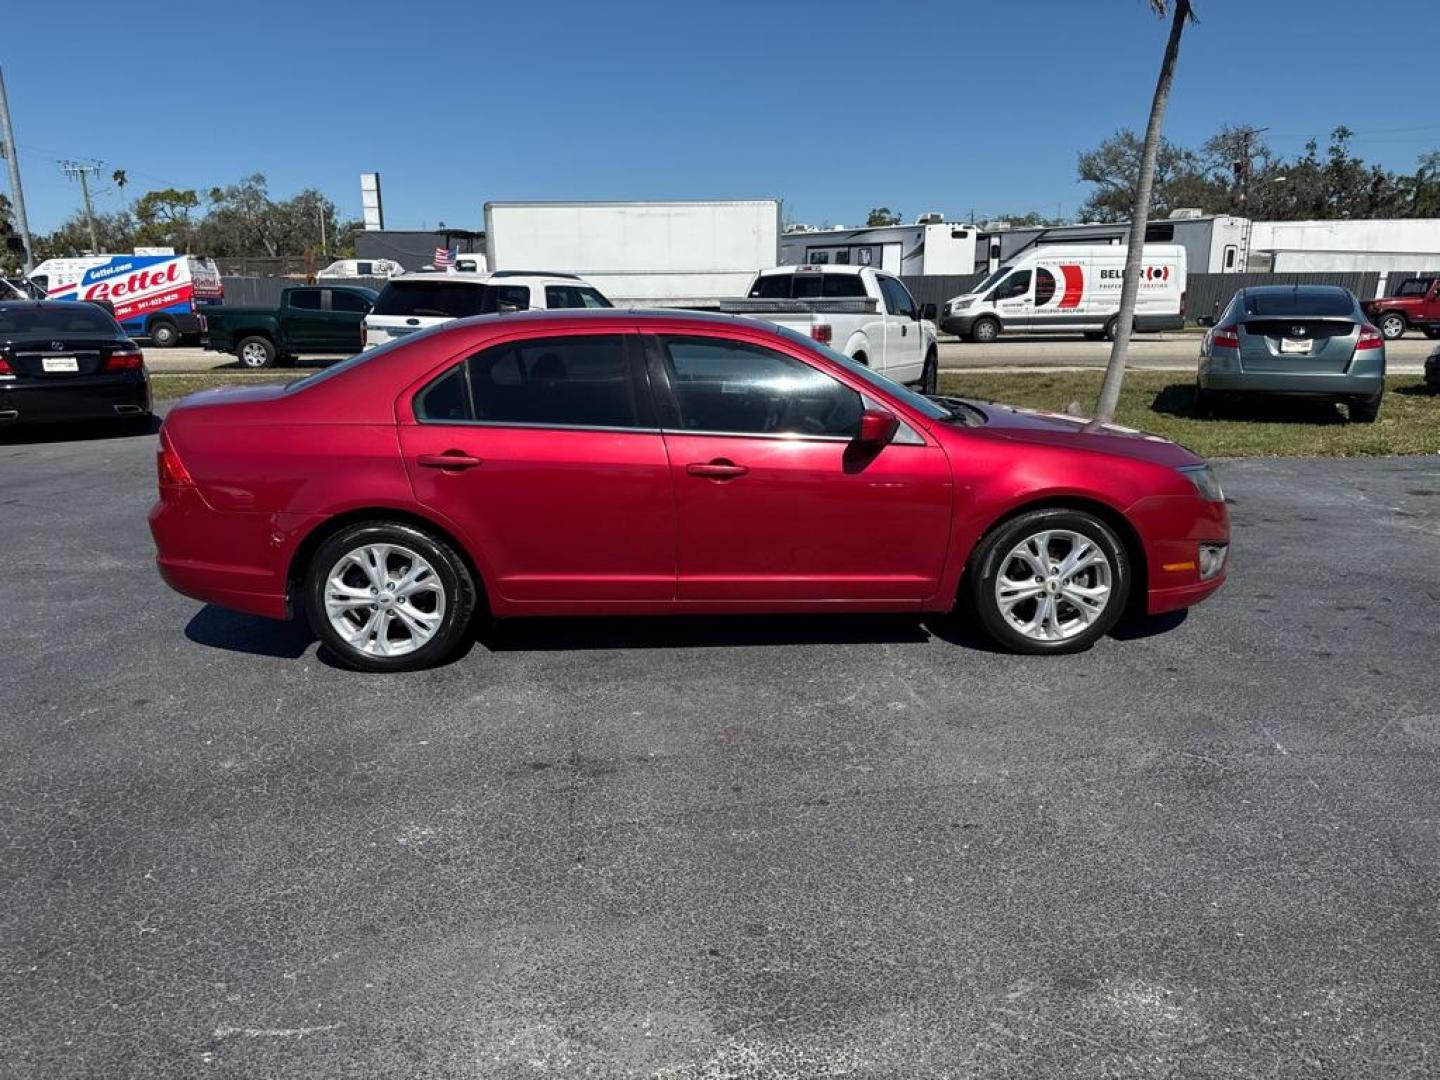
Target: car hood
[{"x": 1057, "y": 429}]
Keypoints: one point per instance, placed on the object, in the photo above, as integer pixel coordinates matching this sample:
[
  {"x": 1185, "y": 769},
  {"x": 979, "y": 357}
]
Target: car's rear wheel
[
  {"x": 1112, "y": 328},
  {"x": 384, "y": 596},
  {"x": 164, "y": 334},
  {"x": 1392, "y": 325},
  {"x": 1432, "y": 332},
  {"x": 1365, "y": 410},
  {"x": 256, "y": 352},
  {"x": 1050, "y": 581},
  {"x": 984, "y": 331}
]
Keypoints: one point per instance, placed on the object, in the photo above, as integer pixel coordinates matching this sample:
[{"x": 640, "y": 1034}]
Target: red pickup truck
[{"x": 1415, "y": 304}]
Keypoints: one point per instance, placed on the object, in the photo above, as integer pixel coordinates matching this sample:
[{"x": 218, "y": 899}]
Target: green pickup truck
[{"x": 310, "y": 319}]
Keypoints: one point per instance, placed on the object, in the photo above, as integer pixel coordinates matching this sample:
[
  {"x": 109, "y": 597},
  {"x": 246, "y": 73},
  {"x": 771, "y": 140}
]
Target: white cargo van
[{"x": 1071, "y": 287}]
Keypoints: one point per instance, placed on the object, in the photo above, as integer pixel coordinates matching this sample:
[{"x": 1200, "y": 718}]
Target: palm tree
[
  {"x": 1115, "y": 370},
  {"x": 120, "y": 181}
]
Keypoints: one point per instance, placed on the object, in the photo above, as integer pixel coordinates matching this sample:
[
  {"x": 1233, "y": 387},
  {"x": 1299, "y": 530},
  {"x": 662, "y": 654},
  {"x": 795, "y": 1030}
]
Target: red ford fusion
[{"x": 611, "y": 462}]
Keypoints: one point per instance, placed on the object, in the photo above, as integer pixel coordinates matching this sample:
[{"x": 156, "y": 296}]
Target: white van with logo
[
  {"x": 1071, "y": 287},
  {"x": 158, "y": 296}
]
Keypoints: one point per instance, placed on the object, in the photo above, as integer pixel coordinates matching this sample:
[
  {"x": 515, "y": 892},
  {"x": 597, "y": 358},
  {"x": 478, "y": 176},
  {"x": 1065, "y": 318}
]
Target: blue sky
[{"x": 834, "y": 107}]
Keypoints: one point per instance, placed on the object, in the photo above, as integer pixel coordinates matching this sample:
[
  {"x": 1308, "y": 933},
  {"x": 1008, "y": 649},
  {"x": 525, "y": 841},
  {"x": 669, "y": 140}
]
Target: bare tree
[{"x": 1181, "y": 13}]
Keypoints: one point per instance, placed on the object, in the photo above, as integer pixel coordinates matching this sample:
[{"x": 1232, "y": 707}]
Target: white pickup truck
[{"x": 862, "y": 312}]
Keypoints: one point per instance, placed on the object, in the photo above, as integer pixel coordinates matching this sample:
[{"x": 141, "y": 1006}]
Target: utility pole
[
  {"x": 77, "y": 171},
  {"x": 1243, "y": 164},
  {"x": 12, "y": 155},
  {"x": 320, "y": 213}
]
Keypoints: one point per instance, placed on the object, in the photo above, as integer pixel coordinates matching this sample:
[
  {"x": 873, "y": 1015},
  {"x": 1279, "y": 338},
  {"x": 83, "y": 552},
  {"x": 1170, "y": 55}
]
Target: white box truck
[
  {"x": 639, "y": 253},
  {"x": 1071, "y": 287}
]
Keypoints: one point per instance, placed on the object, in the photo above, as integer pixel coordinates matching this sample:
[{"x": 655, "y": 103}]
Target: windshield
[
  {"x": 989, "y": 280},
  {"x": 59, "y": 319},
  {"x": 921, "y": 404},
  {"x": 436, "y": 299}
]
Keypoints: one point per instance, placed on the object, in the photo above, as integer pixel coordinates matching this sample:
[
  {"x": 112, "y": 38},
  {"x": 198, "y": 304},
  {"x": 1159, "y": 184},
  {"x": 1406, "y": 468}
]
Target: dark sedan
[{"x": 68, "y": 361}]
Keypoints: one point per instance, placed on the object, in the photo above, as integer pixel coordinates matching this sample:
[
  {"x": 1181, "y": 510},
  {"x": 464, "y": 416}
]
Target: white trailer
[
  {"x": 1410, "y": 244},
  {"x": 929, "y": 246},
  {"x": 636, "y": 253}
]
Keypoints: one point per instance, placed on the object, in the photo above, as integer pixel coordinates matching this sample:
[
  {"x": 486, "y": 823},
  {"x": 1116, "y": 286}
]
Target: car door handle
[
  {"x": 717, "y": 470},
  {"x": 451, "y": 459}
]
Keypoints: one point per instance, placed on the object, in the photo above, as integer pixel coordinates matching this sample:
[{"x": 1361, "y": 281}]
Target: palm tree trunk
[{"x": 1139, "y": 217}]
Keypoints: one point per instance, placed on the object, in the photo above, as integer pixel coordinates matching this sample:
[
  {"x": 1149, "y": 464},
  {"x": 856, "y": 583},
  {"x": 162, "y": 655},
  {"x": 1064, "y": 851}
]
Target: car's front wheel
[
  {"x": 385, "y": 596},
  {"x": 1050, "y": 581},
  {"x": 984, "y": 331}
]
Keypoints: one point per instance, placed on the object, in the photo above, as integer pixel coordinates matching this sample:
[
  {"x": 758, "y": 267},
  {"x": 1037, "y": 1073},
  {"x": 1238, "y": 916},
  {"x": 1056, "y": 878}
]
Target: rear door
[
  {"x": 347, "y": 311},
  {"x": 546, "y": 455},
  {"x": 304, "y": 321},
  {"x": 773, "y": 502}
]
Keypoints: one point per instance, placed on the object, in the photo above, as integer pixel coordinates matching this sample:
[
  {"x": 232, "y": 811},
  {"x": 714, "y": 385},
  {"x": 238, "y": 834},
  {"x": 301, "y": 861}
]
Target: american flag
[{"x": 445, "y": 257}]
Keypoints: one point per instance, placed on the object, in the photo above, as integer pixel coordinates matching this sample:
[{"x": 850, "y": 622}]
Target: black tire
[
  {"x": 256, "y": 352},
  {"x": 1365, "y": 410},
  {"x": 1393, "y": 325},
  {"x": 455, "y": 583},
  {"x": 989, "y": 561},
  {"x": 984, "y": 330},
  {"x": 163, "y": 334},
  {"x": 861, "y": 359},
  {"x": 1111, "y": 328},
  {"x": 1432, "y": 332},
  {"x": 930, "y": 376}
]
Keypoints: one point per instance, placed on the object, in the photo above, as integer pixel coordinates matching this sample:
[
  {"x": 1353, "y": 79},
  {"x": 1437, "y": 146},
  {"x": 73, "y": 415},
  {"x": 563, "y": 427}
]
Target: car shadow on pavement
[
  {"x": 79, "y": 432},
  {"x": 697, "y": 632},
  {"x": 220, "y": 628},
  {"x": 1178, "y": 399}
]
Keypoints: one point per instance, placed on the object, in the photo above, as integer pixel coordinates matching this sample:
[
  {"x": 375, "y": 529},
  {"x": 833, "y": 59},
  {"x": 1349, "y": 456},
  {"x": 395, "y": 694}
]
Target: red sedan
[{"x": 655, "y": 463}]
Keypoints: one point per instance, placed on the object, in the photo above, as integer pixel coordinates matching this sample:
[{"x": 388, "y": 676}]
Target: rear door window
[
  {"x": 730, "y": 387},
  {"x": 574, "y": 381},
  {"x": 305, "y": 299},
  {"x": 574, "y": 296},
  {"x": 516, "y": 296}
]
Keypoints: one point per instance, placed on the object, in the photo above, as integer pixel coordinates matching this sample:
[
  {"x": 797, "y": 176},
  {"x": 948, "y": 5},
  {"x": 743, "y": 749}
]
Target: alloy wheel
[
  {"x": 1053, "y": 585},
  {"x": 253, "y": 355},
  {"x": 384, "y": 599}
]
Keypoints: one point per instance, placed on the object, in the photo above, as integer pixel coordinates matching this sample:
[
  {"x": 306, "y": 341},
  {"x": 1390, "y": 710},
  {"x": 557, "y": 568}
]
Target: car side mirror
[
  {"x": 877, "y": 427},
  {"x": 1205, "y": 320},
  {"x": 504, "y": 307},
  {"x": 927, "y": 312}
]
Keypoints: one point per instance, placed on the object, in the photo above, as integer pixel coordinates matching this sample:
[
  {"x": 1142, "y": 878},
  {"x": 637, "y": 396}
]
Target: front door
[
  {"x": 773, "y": 502},
  {"x": 904, "y": 343},
  {"x": 545, "y": 454},
  {"x": 1013, "y": 300}
]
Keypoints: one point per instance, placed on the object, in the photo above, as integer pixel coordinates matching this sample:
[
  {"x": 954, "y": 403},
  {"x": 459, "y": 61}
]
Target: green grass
[
  {"x": 1163, "y": 402},
  {"x": 1158, "y": 401}
]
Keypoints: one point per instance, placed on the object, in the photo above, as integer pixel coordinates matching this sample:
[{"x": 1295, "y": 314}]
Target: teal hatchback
[{"x": 1294, "y": 340}]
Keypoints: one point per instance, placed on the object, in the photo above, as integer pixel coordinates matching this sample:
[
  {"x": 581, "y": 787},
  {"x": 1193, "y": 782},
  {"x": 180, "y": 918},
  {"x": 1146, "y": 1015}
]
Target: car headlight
[{"x": 1203, "y": 477}]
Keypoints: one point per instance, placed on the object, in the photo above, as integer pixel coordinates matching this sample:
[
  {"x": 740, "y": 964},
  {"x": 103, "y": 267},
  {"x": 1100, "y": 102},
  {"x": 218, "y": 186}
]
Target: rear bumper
[
  {"x": 1267, "y": 382},
  {"x": 211, "y": 557},
  {"x": 83, "y": 397},
  {"x": 1172, "y": 528}
]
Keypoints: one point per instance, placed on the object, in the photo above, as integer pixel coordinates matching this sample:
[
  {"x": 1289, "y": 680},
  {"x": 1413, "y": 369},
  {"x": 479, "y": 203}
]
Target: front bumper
[
  {"x": 959, "y": 325},
  {"x": 1172, "y": 528},
  {"x": 81, "y": 397}
]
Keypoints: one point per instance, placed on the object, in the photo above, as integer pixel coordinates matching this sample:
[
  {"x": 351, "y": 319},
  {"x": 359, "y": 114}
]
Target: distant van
[
  {"x": 351, "y": 268},
  {"x": 156, "y": 296},
  {"x": 1071, "y": 287}
]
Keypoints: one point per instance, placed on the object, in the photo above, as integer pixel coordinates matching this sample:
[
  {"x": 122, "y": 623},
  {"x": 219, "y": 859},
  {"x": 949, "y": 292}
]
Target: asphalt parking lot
[{"x": 859, "y": 847}]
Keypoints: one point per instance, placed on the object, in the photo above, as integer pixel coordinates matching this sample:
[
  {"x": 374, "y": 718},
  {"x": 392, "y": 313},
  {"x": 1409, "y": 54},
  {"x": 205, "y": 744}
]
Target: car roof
[
  {"x": 23, "y": 305},
  {"x": 1291, "y": 290},
  {"x": 483, "y": 277},
  {"x": 817, "y": 268}
]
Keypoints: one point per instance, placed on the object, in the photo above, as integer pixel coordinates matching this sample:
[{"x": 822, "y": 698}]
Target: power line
[{"x": 77, "y": 170}]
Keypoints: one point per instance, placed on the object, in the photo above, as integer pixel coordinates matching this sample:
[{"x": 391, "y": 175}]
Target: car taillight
[
  {"x": 5, "y": 368},
  {"x": 1182, "y": 305},
  {"x": 1226, "y": 337},
  {"x": 821, "y": 332},
  {"x": 125, "y": 360},
  {"x": 170, "y": 469},
  {"x": 1370, "y": 338}
]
